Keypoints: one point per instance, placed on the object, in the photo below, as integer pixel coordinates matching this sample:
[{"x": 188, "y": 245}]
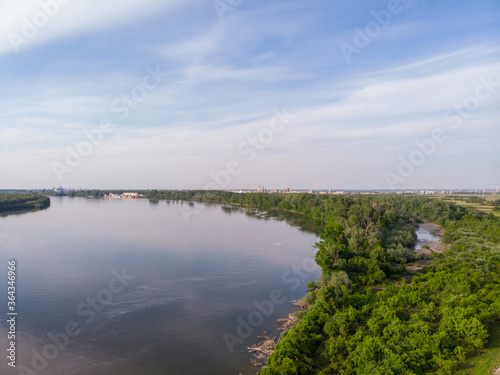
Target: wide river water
[{"x": 130, "y": 287}]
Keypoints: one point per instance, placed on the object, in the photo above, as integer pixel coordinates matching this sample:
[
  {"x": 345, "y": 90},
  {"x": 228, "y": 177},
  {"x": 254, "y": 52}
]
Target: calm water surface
[{"x": 186, "y": 285}]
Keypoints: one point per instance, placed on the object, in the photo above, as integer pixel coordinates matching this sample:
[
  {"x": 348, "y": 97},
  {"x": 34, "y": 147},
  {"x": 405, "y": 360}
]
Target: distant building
[
  {"x": 60, "y": 190},
  {"x": 132, "y": 195},
  {"x": 124, "y": 195}
]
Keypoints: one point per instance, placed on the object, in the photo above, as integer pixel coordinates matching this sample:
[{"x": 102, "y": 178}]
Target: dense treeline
[
  {"x": 427, "y": 326},
  {"x": 92, "y": 193},
  {"x": 362, "y": 317},
  {"x": 21, "y": 202}
]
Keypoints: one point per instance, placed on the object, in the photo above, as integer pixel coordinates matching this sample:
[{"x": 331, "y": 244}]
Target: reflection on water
[
  {"x": 188, "y": 283},
  {"x": 303, "y": 223},
  {"x": 21, "y": 212}
]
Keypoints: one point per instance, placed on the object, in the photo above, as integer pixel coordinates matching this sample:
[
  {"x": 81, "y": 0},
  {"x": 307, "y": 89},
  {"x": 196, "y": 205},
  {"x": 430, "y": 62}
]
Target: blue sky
[{"x": 225, "y": 68}]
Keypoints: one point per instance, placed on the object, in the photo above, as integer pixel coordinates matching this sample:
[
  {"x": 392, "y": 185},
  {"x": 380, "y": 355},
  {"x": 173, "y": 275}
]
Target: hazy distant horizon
[{"x": 268, "y": 189}]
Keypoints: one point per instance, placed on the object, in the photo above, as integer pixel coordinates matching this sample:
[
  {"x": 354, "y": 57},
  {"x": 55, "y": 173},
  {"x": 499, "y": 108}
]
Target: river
[{"x": 130, "y": 287}]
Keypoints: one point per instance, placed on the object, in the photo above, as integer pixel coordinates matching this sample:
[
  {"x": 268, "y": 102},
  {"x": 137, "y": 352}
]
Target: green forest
[
  {"x": 363, "y": 316},
  {"x": 23, "y": 202}
]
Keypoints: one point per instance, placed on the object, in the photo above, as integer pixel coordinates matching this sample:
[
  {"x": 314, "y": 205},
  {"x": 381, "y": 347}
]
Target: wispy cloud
[
  {"x": 41, "y": 21},
  {"x": 224, "y": 78}
]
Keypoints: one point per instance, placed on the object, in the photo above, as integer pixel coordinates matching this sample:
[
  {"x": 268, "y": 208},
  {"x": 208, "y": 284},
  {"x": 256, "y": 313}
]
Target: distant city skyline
[
  {"x": 284, "y": 93},
  {"x": 265, "y": 189}
]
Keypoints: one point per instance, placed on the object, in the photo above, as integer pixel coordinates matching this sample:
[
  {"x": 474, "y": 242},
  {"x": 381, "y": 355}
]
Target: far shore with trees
[{"x": 10, "y": 202}]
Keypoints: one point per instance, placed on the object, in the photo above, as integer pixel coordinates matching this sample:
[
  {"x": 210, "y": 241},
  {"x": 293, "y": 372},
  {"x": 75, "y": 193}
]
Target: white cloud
[
  {"x": 224, "y": 81},
  {"x": 51, "y": 19},
  {"x": 420, "y": 97}
]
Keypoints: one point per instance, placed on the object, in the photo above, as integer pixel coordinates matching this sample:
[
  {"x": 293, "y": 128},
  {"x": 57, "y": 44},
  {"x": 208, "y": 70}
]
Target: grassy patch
[
  {"x": 480, "y": 207},
  {"x": 486, "y": 362}
]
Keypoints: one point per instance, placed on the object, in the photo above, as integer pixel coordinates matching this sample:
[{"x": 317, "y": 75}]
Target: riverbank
[
  {"x": 429, "y": 239},
  {"x": 429, "y": 242},
  {"x": 267, "y": 344}
]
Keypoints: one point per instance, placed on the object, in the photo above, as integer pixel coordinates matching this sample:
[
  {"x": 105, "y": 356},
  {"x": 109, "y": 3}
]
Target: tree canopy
[{"x": 21, "y": 202}]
